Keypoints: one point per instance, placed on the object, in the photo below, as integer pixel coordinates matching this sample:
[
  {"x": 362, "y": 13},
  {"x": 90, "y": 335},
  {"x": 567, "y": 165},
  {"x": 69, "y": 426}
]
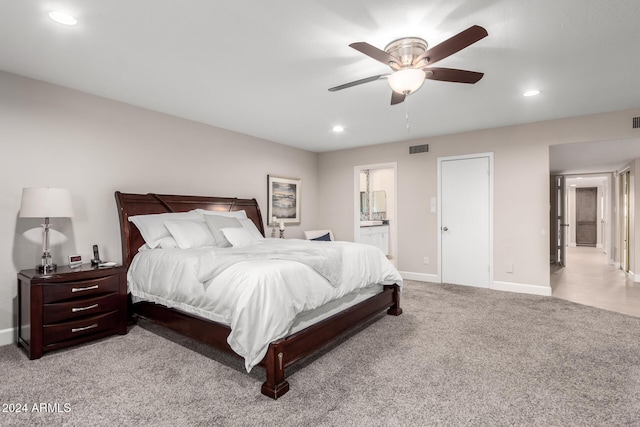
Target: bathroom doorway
[{"x": 375, "y": 207}]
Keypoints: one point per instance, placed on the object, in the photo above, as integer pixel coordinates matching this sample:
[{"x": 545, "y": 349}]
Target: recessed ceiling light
[
  {"x": 62, "y": 17},
  {"x": 338, "y": 129},
  {"x": 532, "y": 92}
]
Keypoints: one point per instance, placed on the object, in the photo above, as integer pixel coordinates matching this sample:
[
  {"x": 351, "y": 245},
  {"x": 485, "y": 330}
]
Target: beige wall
[
  {"x": 59, "y": 137},
  {"x": 521, "y": 191},
  {"x": 52, "y": 136}
]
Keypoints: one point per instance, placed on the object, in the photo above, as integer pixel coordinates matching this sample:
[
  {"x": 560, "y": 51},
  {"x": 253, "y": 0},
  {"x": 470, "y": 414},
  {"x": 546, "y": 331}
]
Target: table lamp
[{"x": 46, "y": 203}]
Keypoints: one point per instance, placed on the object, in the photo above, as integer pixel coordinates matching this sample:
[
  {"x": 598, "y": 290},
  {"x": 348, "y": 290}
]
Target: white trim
[
  {"x": 633, "y": 277},
  {"x": 420, "y": 277},
  {"x": 7, "y": 336},
  {"x": 393, "y": 229},
  {"x": 522, "y": 288},
  {"x": 519, "y": 288}
]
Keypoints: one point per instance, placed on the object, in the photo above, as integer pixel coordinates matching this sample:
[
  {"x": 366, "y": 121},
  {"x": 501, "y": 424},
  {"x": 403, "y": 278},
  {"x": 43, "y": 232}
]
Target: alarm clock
[{"x": 75, "y": 261}]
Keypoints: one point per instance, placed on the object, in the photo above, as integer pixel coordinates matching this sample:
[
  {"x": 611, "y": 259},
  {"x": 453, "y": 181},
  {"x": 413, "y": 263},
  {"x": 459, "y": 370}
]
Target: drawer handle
[
  {"x": 89, "y": 307},
  {"x": 88, "y": 288},
  {"x": 95, "y": 325}
]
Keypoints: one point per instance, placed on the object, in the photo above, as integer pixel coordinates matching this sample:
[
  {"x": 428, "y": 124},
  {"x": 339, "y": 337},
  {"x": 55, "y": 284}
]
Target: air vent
[
  {"x": 636, "y": 122},
  {"x": 424, "y": 148}
]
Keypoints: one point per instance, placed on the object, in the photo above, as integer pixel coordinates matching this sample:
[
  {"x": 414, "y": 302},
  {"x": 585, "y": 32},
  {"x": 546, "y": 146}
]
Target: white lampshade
[
  {"x": 406, "y": 81},
  {"x": 46, "y": 202}
]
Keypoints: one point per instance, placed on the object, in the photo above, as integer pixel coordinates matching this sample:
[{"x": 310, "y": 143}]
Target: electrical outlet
[{"x": 425, "y": 260}]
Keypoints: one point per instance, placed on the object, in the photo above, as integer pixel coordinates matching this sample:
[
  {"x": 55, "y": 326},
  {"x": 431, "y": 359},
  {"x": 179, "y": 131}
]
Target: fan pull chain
[{"x": 406, "y": 114}]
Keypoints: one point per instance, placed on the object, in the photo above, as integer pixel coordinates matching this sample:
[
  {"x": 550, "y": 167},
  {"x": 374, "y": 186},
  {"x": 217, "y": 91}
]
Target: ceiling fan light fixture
[{"x": 406, "y": 81}]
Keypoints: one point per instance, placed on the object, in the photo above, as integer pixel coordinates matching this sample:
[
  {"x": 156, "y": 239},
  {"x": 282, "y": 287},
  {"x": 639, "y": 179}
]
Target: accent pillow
[
  {"x": 239, "y": 237},
  {"x": 216, "y": 223},
  {"x": 232, "y": 214},
  {"x": 190, "y": 234},
  {"x": 247, "y": 224},
  {"x": 152, "y": 226},
  {"x": 323, "y": 238},
  {"x": 167, "y": 242}
]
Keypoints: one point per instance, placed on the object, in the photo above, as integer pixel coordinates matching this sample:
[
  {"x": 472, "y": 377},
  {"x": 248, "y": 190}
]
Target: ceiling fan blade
[
  {"x": 454, "y": 44},
  {"x": 453, "y": 75},
  {"x": 358, "y": 82},
  {"x": 375, "y": 53},
  {"x": 397, "y": 98}
]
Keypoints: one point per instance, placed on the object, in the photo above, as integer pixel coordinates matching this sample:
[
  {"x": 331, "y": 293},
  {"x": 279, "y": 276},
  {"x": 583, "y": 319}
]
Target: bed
[{"x": 311, "y": 331}]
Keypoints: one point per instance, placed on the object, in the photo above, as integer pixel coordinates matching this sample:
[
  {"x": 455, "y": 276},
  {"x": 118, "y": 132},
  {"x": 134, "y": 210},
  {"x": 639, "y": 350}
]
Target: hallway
[{"x": 588, "y": 279}]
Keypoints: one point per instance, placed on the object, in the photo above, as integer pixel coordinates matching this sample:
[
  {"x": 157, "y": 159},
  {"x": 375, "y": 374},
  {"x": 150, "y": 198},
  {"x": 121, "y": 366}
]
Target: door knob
[{"x": 445, "y": 228}]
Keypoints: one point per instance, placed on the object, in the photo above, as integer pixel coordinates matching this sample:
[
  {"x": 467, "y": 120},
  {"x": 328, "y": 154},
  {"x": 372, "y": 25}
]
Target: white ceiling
[
  {"x": 263, "y": 67},
  {"x": 592, "y": 157}
]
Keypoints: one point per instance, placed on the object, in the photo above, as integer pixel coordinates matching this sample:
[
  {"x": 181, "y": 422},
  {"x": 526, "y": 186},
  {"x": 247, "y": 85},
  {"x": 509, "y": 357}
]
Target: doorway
[
  {"x": 465, "y": 195},
  {"x": 375, "y": 200},
  {"x": 558, "y": 220},
  {"x": 586, "y": 216},
  {"x": 625, "y": 195}
]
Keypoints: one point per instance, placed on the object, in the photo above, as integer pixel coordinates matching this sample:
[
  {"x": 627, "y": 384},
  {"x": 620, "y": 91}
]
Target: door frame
[
  {"x": 489, "y": 155},
  {"x": 393, "y": 229}
]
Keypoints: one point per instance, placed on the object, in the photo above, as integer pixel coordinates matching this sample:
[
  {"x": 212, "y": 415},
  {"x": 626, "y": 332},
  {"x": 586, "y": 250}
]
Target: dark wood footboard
[
  {"x": 281, "y": 353},
  {"x": 287, "y": 351}
]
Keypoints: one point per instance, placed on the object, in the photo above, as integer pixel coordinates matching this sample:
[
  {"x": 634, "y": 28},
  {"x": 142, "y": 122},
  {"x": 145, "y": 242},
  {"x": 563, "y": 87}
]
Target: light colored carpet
[{"x": 457, "y": 356}]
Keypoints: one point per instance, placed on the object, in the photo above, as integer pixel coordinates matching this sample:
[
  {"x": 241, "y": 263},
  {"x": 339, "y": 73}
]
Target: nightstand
[{"x": 70, "y": 306}]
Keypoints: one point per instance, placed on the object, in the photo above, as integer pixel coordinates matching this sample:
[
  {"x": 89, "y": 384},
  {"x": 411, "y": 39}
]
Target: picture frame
[{"x": 283, "y": 199}]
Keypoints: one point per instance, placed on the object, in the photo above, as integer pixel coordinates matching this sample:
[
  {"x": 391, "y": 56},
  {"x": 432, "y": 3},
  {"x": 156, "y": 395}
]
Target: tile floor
[{"x": 588, "y": 279}]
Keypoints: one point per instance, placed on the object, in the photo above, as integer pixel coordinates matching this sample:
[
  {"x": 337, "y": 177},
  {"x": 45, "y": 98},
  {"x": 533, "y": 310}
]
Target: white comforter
[{"x": 258, "y": 295}]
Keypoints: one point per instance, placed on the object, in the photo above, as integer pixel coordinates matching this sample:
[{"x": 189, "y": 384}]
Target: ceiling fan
[{"x": 411, "y": 62}]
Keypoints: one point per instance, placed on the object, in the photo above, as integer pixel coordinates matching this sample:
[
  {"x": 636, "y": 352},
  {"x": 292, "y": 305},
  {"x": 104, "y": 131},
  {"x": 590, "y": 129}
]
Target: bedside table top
[{"x": 64, "y": 272}]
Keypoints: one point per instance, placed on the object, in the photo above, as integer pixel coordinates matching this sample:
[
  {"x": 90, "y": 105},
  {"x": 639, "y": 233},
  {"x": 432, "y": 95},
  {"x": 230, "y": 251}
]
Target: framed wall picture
[{"x": 284, "y": 199}]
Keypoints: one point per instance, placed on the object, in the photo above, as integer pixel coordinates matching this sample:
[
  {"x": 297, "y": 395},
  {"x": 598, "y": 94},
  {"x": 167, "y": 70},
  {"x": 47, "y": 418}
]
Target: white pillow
[
  {"x": 232, "y": 214},
  {"x": 167, "y": 242},
  {"x": 152, "y": 226},
  {"x": 239, "y": 237},
  {"x": 251, "y": 227},
  {"x": 190, "y": 234},
  {"x": 216, "y": 223}
]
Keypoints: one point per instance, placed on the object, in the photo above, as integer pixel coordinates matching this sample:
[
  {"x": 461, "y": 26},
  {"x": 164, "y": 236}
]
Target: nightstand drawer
[
  {"x": 70, "y": 330},
  {"x": 69, "y": 310},
  {"x": 81, "y": 288}
]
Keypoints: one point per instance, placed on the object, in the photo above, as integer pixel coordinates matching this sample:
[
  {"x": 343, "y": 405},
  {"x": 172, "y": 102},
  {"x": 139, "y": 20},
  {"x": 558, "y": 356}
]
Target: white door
[{"x": 465, "y": 220}]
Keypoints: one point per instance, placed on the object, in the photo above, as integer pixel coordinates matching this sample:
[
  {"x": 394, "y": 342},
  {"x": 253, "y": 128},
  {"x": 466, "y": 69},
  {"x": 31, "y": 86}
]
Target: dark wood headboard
[{"x": 144, "y": 204}]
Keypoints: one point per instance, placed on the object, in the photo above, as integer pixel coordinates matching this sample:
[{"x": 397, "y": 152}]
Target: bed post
[
  {"x": 275, "y": 385},
  {"x": 395, "y": 309}
]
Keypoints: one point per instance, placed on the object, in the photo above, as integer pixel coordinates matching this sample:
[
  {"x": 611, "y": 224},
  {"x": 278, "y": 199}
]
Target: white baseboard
[
  {"x": 7, "y": 336},
  {"x": 420, "y": 277},
  {"x": 633, "y": 277},
  {"x": 498, "y": 286},
  {"x": 522, "y": 288}
]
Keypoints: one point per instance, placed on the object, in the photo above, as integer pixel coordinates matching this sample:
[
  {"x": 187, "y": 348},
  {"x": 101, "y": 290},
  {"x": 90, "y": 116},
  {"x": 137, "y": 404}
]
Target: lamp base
[{"x": 43, "y": 269}]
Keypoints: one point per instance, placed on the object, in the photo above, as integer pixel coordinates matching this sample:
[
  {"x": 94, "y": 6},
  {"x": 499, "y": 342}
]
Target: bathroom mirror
[{"x": 379, "y": 201}]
